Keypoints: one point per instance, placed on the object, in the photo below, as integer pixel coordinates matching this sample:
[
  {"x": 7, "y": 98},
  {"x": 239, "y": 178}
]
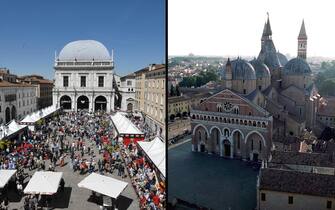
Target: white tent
[
  {"x": 35, "y": 116},
  {"x": 5, "y": 176},
  {"x": 156, "y": 151},
  {"x": 103, "y": 184},
  {"x": 11, "y": 128},
  {"x": 44, "y": 182},
  {"x": 124, "y": 125}
]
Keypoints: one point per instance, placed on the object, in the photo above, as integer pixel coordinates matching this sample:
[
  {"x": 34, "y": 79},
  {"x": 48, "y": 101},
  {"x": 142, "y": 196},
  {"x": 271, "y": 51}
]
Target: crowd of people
[
  {"x": 144, "y": 179},
  {"x": 87, "y": 141}
]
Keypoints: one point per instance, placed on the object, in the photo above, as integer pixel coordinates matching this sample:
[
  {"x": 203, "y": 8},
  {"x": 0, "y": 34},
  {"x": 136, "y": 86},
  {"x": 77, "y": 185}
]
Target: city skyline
[
  {"x": 34, "y": 31},
  {"x": 203, "y": 30}
]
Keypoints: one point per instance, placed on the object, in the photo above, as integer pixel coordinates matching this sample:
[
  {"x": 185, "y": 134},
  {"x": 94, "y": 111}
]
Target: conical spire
[
  {"x": 268, "y": 31},
  {"x": 302, "y": 33},
  {"x": 228, "y": 62}
]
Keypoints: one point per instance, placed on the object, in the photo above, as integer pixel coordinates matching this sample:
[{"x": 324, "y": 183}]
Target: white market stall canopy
[
  {"x": 103, "y": 184},
  {"x": 5, "y": 176},
  {"x": 156, "y": 151},
  {"x": 11, "y": 128},
  {"x": 44, "y": 182},
  {"x": 40, "y": 114},
  {"x": 124, "y": 126}
]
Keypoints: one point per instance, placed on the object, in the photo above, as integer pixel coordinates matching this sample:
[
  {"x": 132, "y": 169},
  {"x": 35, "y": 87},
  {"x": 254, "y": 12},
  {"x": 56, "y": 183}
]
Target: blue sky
[{"x": 31, "y": 31}]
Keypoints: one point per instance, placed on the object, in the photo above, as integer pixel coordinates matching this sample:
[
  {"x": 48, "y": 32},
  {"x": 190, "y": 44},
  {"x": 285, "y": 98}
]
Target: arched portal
[
  {"x": 238, "y": 142},
  {"x": 100, "y": 103},
  {"x": 7, "y": 114},
  {"x": 130, "y": 107},
  {"x": 255, "y": 146},
  {"x": 13, "y": 112},
  {"x": 200, "y": 136},
  {"x": 214, "y": 143},
  {"x": 226, "y": 148},
  {"x": 82, "y": 103},
  {"x": 65, "y": 102}
]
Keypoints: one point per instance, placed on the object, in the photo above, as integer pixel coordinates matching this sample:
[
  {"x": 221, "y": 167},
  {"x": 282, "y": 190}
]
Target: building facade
[
  {"x": 261, "y": 101},
  {"x": 288, "y": 189},
  {"x": 178, "y": 106},
  {"x": 150, "y": 96},
  {"x": 43, "y": 90},
  {"x": 83, "y": 77},
  {"x": 16, "y": 101},
  {"x": 127, "y": 90}
]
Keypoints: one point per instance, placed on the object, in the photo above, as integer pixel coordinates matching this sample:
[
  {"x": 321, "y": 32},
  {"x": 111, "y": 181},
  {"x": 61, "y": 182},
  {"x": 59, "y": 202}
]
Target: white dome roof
[{"x": 84, "y": 50}]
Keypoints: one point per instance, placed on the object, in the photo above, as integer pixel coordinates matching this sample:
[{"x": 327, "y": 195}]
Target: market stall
[
  {"x": 126, "y": 129},
  {"x": 5, "y": 176},
  {"x": 155, "y": 150},
  {"x": 34, "y": 117},
  {"x": 44, "y": 183},
  {"x": 104, "y": 185},
  {"x": 12, "y": 129}
]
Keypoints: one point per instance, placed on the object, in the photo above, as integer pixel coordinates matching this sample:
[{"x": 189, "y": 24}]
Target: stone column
[
  {"x": 221, "y": 140},
  {"x": 231, "y": 151},
  {"x": 111, "y": 105},
  {"x": 193, "y": 149},
  {"x": 74, "y": 103},
  {"x": 199, "y": 147}
]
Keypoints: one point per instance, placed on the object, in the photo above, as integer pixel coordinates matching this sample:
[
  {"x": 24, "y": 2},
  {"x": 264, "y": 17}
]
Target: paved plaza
[
  {"x": 74, "y": 197},
  {"x": 210, "y": 181}
]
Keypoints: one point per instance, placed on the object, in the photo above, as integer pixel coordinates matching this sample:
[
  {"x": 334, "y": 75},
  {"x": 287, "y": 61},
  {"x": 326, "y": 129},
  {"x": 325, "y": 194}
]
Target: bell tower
[
  {"x": 228, "y": 75},
  {"x": 302, "y": 42}
]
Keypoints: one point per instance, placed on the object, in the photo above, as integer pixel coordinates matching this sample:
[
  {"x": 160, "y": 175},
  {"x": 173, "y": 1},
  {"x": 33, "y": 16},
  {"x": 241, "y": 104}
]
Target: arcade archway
[
  {"x": 65, "y": 102},
  {"x": 83, "y": 103},
  {"x": 129, "y": 107},
  {"x": 13, "y": 112},
  {"x": 100, "y": 103},
  {"x": 7, "y": 114}
]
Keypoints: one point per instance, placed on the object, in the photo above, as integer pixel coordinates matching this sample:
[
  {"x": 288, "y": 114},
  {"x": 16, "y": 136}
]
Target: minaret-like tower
[
  {"x": 302, "y": 42},
  {"x": 228, "y": 75}
]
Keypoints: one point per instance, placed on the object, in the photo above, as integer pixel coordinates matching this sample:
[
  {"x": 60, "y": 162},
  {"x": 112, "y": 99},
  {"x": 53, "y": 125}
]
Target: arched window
[
  {"x": 252, "y": 144},
  {"x": 226, "y": 132}
]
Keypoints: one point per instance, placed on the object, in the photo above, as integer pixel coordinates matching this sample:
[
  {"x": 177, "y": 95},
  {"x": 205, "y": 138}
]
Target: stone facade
[
  {"x": 243, "y": 132},
  {"x": 279, "y": 200},
  {"x": 83, "y": 79},
  {"x": 127, "y": 90},
  {"x": 16, "y": 101}
]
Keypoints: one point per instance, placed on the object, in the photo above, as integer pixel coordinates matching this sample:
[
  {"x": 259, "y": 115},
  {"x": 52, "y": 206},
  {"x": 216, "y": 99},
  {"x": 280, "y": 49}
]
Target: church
[
  {"x": 262, "y": 100},
  {"x": 84, "y": 77}
]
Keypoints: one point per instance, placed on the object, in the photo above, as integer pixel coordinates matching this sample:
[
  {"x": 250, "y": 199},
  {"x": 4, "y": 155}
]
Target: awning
[
  {"x": 35, "y": 116},
  {"x": 103, "y": 184},
  {"x": 5, "y": 176},
  {"x": 124, "y": 126},
  {"x": 156, "y": 152},
  {"x": 44, "y": 182},
  {"x": 12, "y": 128}
]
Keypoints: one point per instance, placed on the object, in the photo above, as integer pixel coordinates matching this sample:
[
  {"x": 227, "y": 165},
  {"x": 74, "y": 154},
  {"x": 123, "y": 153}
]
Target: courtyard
[{"x": 210, "y": 181}]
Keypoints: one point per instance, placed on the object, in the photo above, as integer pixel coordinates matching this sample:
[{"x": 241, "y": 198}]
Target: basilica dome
[
  {"x": 84, "y": 50},
  {"x": 282, "y": 58},
  {"x": 262, "y": 71},
  {"x": 297, "y": 66},
  {"x": 242, "y": 70}
]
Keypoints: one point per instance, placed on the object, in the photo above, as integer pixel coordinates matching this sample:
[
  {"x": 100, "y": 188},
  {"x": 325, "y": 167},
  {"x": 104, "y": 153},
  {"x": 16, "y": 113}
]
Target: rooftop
[
  {"x": 297, "y": 182},
  {"x": 301, "y": 158}
]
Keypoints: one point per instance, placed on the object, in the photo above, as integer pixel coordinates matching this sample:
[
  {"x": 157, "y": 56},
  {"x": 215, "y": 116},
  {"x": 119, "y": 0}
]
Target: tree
[
  {"x": 177, "y": 90},
  {"x": 172, "y": 91}
]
